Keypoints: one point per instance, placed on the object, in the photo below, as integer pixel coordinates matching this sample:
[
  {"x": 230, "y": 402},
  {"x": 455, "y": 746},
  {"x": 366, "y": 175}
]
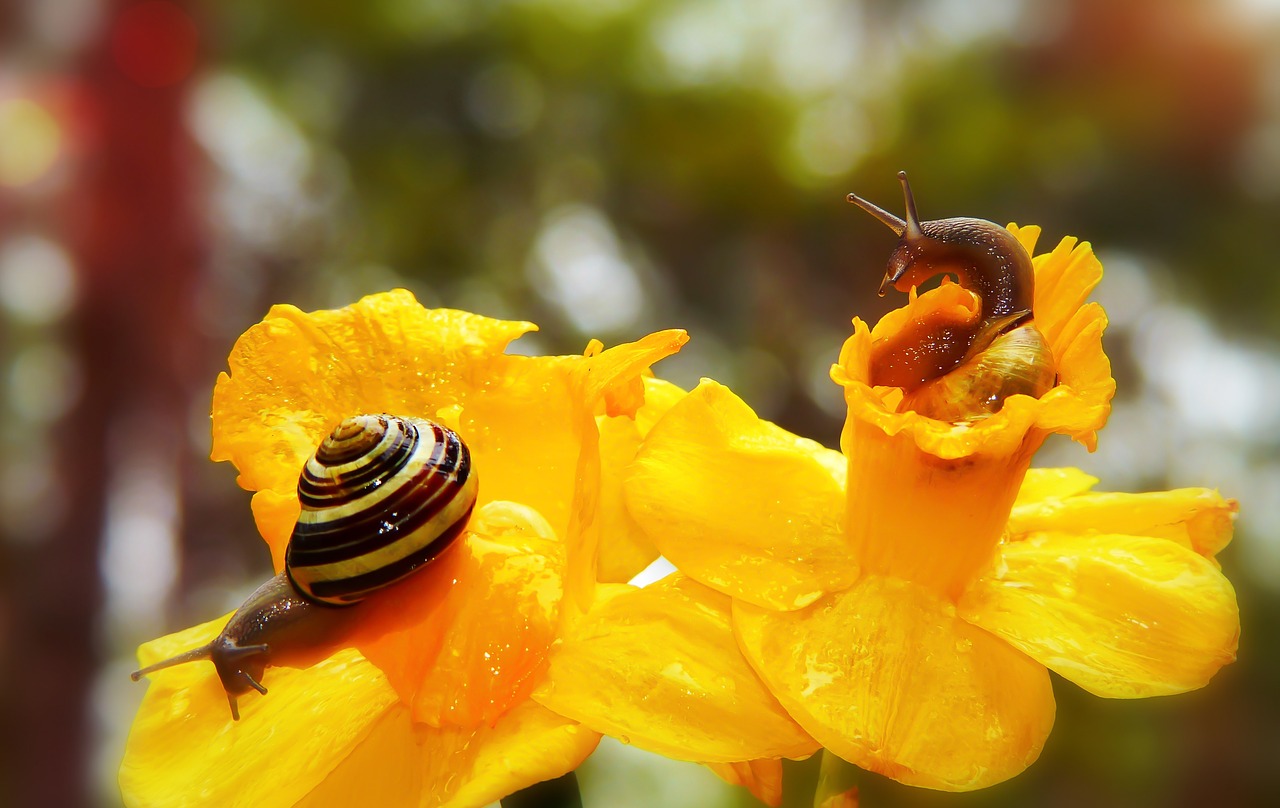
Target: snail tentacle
[
  {"x": 203, "y": 652},
  {"x": 893, "y": 222}
]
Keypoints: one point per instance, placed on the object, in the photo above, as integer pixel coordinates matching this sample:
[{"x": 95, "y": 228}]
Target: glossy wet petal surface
[
  {"x": 740, "y": 504},
  {"x": 886, "y": 676},
  {"x": 1121, "y": 616}
]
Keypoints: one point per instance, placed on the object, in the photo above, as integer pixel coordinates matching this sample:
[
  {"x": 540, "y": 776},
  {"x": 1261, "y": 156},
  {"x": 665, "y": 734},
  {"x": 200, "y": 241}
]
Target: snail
[
  {"x": 961, "y": 371},
  {"x": 381, "y": 497}
]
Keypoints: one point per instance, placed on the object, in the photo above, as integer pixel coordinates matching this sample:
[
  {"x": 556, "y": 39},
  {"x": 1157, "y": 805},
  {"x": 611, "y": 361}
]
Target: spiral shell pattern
[{"x": 381, "y": 496}]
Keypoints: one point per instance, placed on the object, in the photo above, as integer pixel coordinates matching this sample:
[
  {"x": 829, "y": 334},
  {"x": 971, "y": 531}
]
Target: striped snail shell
[
  {"x": 381, "y": 497},
  {"x": 961, "y": 372}
]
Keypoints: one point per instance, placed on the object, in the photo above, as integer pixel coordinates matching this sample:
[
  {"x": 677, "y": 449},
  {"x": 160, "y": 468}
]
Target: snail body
[
  {"x": 961, "y": 371},
  {"x": 381, "y": 497}
]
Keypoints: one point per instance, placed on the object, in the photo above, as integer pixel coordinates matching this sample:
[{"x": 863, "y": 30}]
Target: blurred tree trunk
[{"x": 131, "y": 231}]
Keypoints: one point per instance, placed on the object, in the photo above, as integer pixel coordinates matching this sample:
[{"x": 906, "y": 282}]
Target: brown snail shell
[{"x": 380, "y": 497}]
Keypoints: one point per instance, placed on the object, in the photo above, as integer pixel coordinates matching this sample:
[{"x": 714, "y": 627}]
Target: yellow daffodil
[
  {"x": 426, "y": 701},
  {"x": 905, "y": 598}
]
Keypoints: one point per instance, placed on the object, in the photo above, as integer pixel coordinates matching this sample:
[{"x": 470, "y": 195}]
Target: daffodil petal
[
  {"x": 886, "y": 676},
  {"x": 525, "y": 437},
  {"x": 463, "y": 640},
  {"x": 615, "y": 376},
  {"x": 275, "y": 514},
  {"x": 626, "y": 549},
  {"x": 741, "y": 505},
  {"x": 323, "y": 734},
  {"x": 184, "y": 748},
  {"x": 1064, "y": 279},
  {"x": 763, "y": 778},
  {"x": 529, "y": 745},
  {"x": 1081, "y": 403},
  {"x": 295, "y": 375},
  {"x": 659, "y": 397},
  {"x": 659, "y": 668},
  {"x": 609, "y": 382},
  {"x": 533, "y": 437},
  {"x": 1042, "y": 484},
  {"x": 1027, "y": 235},
  {"x": 400, "y": 763},
  {"x": 1121, "y": 616},
  {"x": 1199, "y": 519}
]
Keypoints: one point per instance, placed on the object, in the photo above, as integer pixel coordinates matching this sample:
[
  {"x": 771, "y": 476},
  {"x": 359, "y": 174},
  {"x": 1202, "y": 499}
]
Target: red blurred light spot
[{"x": 154, "y": 43}]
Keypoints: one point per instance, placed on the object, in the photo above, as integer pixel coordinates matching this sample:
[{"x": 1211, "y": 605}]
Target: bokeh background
[{"x": 168, "y": 170}]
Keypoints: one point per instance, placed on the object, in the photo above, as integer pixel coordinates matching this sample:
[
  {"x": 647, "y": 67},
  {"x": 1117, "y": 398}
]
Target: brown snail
[
  {"x": 381, "y": 497},
  {"x": 961, "y": 371}
]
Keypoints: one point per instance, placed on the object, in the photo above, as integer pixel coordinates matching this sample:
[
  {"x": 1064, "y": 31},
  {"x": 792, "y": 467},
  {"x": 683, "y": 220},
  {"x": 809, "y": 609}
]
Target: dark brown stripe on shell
[
  {"x": 355, "y": 588},
  {"x": 433, "y": 477},
  {"x": 349, "y": 440},
  {"x": 420, "y": 503},
  {"x": 316, "y": 493}
]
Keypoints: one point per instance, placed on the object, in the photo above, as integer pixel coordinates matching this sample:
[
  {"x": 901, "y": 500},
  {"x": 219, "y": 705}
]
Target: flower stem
[
  {"x": 562, "y": 792},
  {"x": 837, "y": 783}
]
